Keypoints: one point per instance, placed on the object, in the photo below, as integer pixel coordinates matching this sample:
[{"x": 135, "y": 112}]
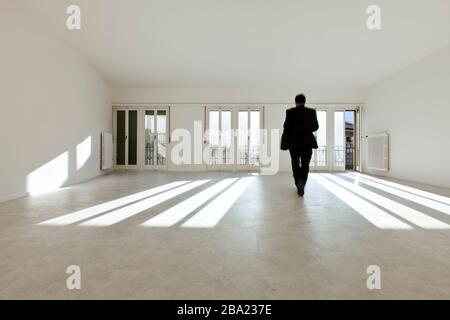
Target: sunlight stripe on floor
[
  {"x": 87, "y": 213},
  {"x": 210, "y": 216},
  {"x": 438, "y": 206},
  {"x": 121, "y": 214},
  {"x": 371, "y": 213},
  {"x": 175, "y": 214},
  {"x": 416, "y": 217},
  {"x": 422, "y": 193}
]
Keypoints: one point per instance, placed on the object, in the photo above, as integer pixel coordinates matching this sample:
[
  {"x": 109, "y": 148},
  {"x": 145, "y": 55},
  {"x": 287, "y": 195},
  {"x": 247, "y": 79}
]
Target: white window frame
[
  {"x": 330, "y": 151},
  {"x": 234, "y": 109},
  {"x": 155, "y": 109}
]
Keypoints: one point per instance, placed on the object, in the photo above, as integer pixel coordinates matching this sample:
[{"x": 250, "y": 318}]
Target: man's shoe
[{"x": 300, "y": 188}]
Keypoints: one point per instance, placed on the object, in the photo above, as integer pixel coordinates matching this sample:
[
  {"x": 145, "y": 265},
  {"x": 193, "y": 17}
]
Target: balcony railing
[
  {"x": 342, "y": 156},
  {"x": 349, "y": 157},
  {"x": 319, "y": 157},
  {"x": 339, "y": 157},
  {"x": 219, "y": 155},
  {"x": 160, "y": 141},
  {"x": 223, "y": 156},
  {"x": 249, "y": 156}
]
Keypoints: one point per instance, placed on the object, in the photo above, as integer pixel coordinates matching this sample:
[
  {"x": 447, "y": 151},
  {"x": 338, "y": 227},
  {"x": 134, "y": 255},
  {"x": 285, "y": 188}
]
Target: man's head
[{"x": 300, "y": 100}]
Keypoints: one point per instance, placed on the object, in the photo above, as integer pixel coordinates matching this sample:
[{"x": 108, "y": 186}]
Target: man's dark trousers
[{"x": 303, "y": 156}]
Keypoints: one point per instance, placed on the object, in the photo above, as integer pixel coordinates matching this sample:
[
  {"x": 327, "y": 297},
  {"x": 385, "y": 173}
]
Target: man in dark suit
[{"x": 299, "y": 138}]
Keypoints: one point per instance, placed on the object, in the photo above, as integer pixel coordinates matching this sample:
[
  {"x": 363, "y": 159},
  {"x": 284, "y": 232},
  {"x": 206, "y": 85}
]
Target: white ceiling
[{"x": 248, "y": 43}]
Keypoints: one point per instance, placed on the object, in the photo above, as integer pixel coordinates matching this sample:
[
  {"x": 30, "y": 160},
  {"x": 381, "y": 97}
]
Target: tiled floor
[{"x": 249, "y": 237}]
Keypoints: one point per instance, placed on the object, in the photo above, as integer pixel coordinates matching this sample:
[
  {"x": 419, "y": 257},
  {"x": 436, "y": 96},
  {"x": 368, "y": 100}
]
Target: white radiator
[
  {"x": 107, "y": 151},
  {"x": 378, "y": 152}
]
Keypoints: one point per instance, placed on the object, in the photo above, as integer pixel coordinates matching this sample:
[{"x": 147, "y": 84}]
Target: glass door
[
  {"x": 219, "y": 138},
  {"x": 155, "y": 138},
  {"x": 339, "y": 151},
  {"x": 234, "y": 138},
  {"x": 357, "y": 136},
  {"x": 335, "y": 134},
  {"x": 350, "y": 140},
  {"x": 126, "y": 137},
  {"x": 249, "y": 138},
  {"x": 319, "y": 159}
]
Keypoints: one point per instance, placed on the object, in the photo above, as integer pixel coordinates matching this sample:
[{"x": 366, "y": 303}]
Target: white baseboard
[
  {"x": 12, "y": 196},
  {"x": 188, "y": 168}
]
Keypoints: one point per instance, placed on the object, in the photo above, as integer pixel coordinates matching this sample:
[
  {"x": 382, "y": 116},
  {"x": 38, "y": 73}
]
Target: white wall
[
  {"x": 51, "y": 101},
  {"x": 236, "y": 95},
  {"x": 413, "y": 106}
]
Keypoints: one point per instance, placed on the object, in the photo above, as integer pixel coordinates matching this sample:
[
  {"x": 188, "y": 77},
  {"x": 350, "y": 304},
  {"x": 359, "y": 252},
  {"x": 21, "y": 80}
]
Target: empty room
[{"x": 224, "y": 150}]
